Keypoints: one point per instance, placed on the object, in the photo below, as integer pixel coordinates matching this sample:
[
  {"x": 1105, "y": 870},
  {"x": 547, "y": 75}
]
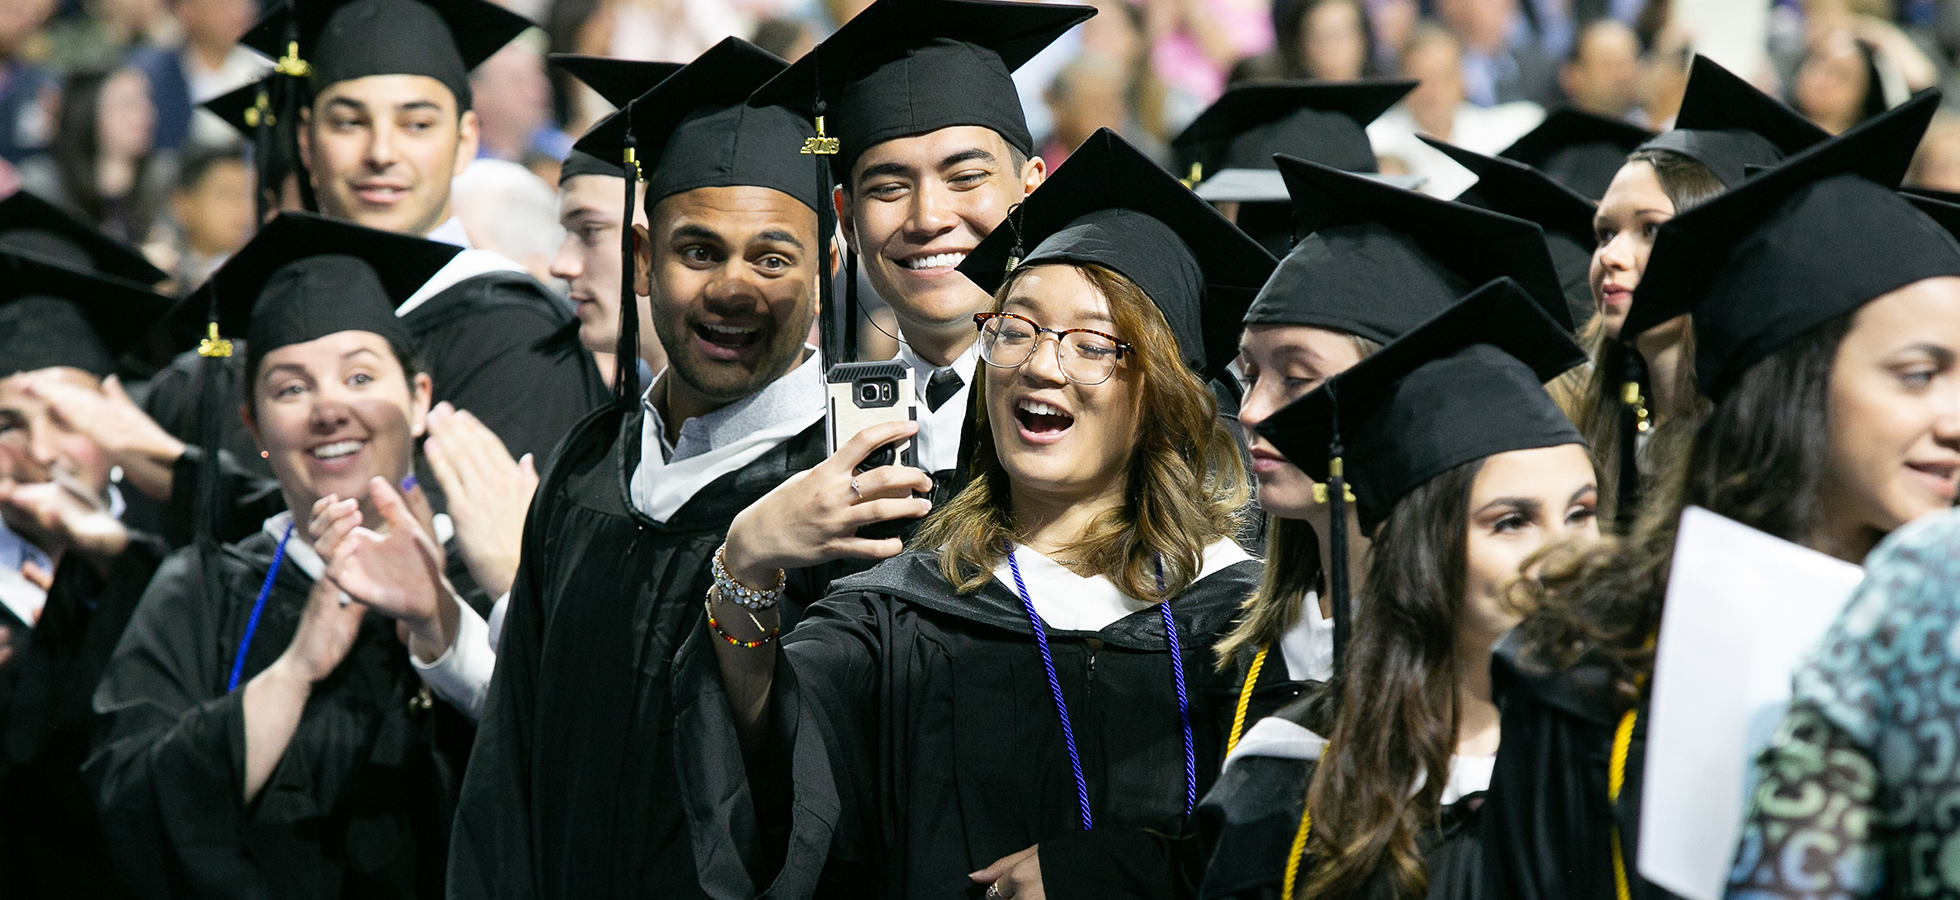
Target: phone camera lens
[{"x": 868, "y": 392}]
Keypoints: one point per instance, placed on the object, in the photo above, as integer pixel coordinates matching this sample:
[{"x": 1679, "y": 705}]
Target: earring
[{"x": 264, "y": 454}]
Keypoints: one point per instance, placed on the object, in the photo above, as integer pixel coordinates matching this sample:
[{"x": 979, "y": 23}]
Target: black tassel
[
  {"x": 1633, "y": 422},
  {"x": 835, "y": 325},
  {"x": 214, "y": 353},
  {"x": 626, "y": 362},
  {"x": 1337, "y": 573}
]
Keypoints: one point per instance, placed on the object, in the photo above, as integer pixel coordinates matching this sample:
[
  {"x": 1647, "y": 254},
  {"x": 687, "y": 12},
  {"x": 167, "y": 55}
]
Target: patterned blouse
[{"x": 1860, "y": 789}]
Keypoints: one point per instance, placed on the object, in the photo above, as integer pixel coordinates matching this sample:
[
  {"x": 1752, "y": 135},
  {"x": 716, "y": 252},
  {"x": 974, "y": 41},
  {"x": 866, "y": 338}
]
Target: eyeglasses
[{"x": 1007, "y": 341}]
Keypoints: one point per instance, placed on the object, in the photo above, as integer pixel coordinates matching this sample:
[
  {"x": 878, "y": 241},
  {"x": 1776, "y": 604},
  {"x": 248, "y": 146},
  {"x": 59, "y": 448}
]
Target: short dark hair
[
  {"x": 199, "y": 162},
  {"x": 1016, "y": 161}
]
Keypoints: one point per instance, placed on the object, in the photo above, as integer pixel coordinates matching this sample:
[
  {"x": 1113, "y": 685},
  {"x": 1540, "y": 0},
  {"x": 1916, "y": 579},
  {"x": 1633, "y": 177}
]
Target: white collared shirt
[
  {"x": 940, "y": 430},
  {"x": 1070, "y": 602},
  {"x": 710, "y": 446},
  {"x": 464, "y": 266},
  {"x": 1308, "y": 647},
  {"x": 1279, "y": 738}
]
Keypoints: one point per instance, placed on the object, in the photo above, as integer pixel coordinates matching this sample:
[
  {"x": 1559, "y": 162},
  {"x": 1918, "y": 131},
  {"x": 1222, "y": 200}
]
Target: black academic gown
[
  {"x": 574, "y": 790},
  {"x": 54, "y": 846},
  {"x": 941, "y": 749},
  {"x": 1252, "y": 815},
  {"x": 1548, "y": 822},
  {"x": 359, "y": 805}
]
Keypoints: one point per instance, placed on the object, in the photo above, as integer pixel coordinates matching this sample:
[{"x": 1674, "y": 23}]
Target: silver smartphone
[{"x": 863, "y": 394}]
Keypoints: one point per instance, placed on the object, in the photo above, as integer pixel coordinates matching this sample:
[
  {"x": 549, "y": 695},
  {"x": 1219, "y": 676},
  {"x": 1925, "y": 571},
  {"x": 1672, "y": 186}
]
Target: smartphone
[{"x": 863, "y": 394}]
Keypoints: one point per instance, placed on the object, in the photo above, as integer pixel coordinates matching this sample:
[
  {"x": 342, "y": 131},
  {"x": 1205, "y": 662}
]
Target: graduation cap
[
  {"x": 29, "y": 224},
  {"x": 1728, "y": 125},
  {"x": 1941, "y": 206},
  {"x": 1378, "y": 260},
  {"x": 265, "y": 113},
  {"x": 1324, "y": 121},
  {"x": 1466, "y": 384},
  {"x": 616, "y": 80},
  {"x": 53, "y": 314},
  {"x": 305, "y": 276},
  {"x": 1795, "y": 247},
  {"x": 1578, "y": 149},
  {"x": 699, "y": 132},
  {"x": 907, "y": 67},
  {"x": 330, "y": 41},
  {"x": 1515, "y": 189},
  {"x": 1108, "y": 204}
]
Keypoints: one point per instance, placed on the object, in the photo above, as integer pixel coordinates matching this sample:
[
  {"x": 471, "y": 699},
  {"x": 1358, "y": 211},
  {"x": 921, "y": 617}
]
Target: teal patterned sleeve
[{"x": 1859, "y": 792}]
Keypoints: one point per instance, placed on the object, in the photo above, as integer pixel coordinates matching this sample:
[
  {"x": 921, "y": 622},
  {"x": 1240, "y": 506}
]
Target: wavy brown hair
[
  {"x": 1398, "y": 710},
  {"x": 1760, "y": 458},
  {"x": 1186, "y": 482},
  {"x": 1597, "y": 413}
]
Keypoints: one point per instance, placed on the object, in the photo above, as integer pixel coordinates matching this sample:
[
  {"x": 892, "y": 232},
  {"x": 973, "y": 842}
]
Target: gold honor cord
[
  {"x": 1616, "y": 776},
  {"x": 1298, "y": 852},
  {"x": 1245, "y": 699}
]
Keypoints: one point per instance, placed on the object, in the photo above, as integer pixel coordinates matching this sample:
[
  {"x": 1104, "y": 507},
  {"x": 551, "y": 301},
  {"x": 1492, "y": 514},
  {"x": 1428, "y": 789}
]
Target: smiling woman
[{"x": 318, "y": 685}]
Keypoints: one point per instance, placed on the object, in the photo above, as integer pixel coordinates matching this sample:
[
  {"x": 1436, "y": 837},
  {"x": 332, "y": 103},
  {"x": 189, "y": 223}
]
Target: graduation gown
[
  {"x": 1548, "y": 821},
  {"x": 941, "y": 749},
  {"x": 359, "y": 805},
  {"x": 573, "y": 789},
  {"x": 1250, "y": 817},
  {"x": 54, "y": 846}
]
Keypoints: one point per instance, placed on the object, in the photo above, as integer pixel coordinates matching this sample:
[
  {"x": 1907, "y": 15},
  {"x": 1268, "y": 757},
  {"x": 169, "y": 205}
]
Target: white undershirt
[
  {"x": 940, "y": 430},
  {"x": 1278, "y": 738},
  {"x": 1070, "y": 602},
  {"x": 1308, "y": 647}
]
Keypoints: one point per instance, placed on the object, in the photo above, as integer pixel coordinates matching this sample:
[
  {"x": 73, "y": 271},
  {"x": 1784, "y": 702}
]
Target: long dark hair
[
  {"x": 1398, "y": 708},
  {"x": 1615, "y": 362},
  {"x": 1759, "y": 458},
  {"x": 1290, "y": 26},
  {"x": 77, "y": 147}
]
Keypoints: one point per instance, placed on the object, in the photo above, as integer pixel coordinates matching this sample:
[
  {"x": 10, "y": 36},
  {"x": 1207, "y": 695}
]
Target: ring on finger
[
  {"x": 993, "y": 890},
  {"x": 860, "y": 495}
]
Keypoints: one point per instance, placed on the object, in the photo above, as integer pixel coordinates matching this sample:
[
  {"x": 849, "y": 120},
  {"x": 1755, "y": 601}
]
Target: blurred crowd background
[{"x": 98, "y": 98}]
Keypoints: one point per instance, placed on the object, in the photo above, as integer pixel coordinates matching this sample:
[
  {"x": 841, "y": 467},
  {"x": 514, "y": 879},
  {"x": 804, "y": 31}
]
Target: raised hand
[
  {"x": 488, "y": 493},
  {"x": 108, "y": 417},
  {"x": 396, "y": 572},
  {"x": 813, "y": 517},
  {"x": 59, "y": 516}
]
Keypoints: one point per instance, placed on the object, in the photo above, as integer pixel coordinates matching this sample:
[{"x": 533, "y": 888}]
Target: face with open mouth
[
  {"x": 918, "y": 205},
  {"x": 333, "y": 413},
  {"x": 1895, "y": 409},
  {"x": 1055, "y": 436},
  {"x": 733, "y": 287}
]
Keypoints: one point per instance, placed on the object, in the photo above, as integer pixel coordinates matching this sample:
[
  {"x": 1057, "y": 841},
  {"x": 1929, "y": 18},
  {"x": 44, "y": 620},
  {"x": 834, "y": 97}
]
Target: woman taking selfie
[
  {"x": 1827, "y": 325},
  {"x": 1020, "y": 704},
  {"x": 268, "y": 732},
  {"x": 1463, "y": 468},
  {"x": 1379, "y": 261}
]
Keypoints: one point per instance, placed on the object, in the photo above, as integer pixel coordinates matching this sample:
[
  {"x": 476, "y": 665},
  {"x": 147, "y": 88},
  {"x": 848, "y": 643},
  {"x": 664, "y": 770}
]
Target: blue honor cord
[
  {"x": 1061, "y": 705},
  {"x": 258, "y": 606}
]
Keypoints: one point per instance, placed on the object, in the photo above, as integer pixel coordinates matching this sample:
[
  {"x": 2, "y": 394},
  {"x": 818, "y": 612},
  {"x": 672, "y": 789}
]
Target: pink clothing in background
[{"x": 1183, "y": 66}]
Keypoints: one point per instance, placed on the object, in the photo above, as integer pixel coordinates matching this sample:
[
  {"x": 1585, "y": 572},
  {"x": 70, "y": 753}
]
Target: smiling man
[
  {"x": 575, "y": 788},
  {"x": 389, "y": 125}
]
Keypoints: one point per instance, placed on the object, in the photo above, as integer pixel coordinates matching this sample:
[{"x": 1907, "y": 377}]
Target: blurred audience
[
  {"x": 1324, "y": 40},
  {"x": 208, "y": 63},
  {"x": 103, "y": 162},
  {"x": 1439, "y": 108},
  {"x": 513, "y": 105},
  {"x": 508, "y": 209},
  {"x": 27, "y": 89},
  {"x": 1500, "y": 64},
  {"x": 210, "y": 216},
  {"x": 1602, "y": 73}
]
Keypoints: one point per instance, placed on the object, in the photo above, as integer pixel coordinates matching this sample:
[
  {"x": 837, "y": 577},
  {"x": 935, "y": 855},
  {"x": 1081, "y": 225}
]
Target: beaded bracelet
[
  {"x": 746, "y": 645},
  {"x": 738, "y": 593}
]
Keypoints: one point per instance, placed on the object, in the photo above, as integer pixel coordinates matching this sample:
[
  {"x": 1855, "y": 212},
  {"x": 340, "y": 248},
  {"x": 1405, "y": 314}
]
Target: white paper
[{"x": 1743, "y": 609}]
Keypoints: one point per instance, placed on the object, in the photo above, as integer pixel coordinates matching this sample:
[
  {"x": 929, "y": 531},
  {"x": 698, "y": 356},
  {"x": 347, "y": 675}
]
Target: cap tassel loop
[
  {"x": 835, "y": 322},
  {"x": 626, "y": 359},
  {"x": 1337, "y": 538},
  {"x": 1633, "y": 422},
  {"x": 1016, "y": 253},
  {"x": 207, "y": 510}
]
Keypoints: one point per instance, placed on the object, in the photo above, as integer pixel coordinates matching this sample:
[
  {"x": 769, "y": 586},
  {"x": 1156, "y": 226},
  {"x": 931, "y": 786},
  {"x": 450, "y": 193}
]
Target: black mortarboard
[
  {"x": 907, "y": 67},
  {"x": 341, "y": 40},
  {"x": 616, "y": 80},
  {"x": 1108, "y": 204},
  {"x": 1461, "y": 386},
  {"x": 1578, "y": 149},
  {"x": 1378, "y": 260},
  {"x": 32, "y": 225},
  {"x": 694, "y": 130},
  {"x": 1941, "y": 206},
  {"x": 61, "y": 315},
  {"x": 265, "y": 112},
  {"x": 1515, "y": 189},
  {"x": 305, "y": 276},
  {"x": 1795, "y": 247},
  {"x": 1319, "y": 120},
  {"x": 1729, "y": 126},
  {"x": 241, "y": 107}
]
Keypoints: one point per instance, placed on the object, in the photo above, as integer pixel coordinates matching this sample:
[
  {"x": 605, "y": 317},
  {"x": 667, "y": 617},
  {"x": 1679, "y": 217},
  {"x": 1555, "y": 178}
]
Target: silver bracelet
[{"x": 740, "y": 594}]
